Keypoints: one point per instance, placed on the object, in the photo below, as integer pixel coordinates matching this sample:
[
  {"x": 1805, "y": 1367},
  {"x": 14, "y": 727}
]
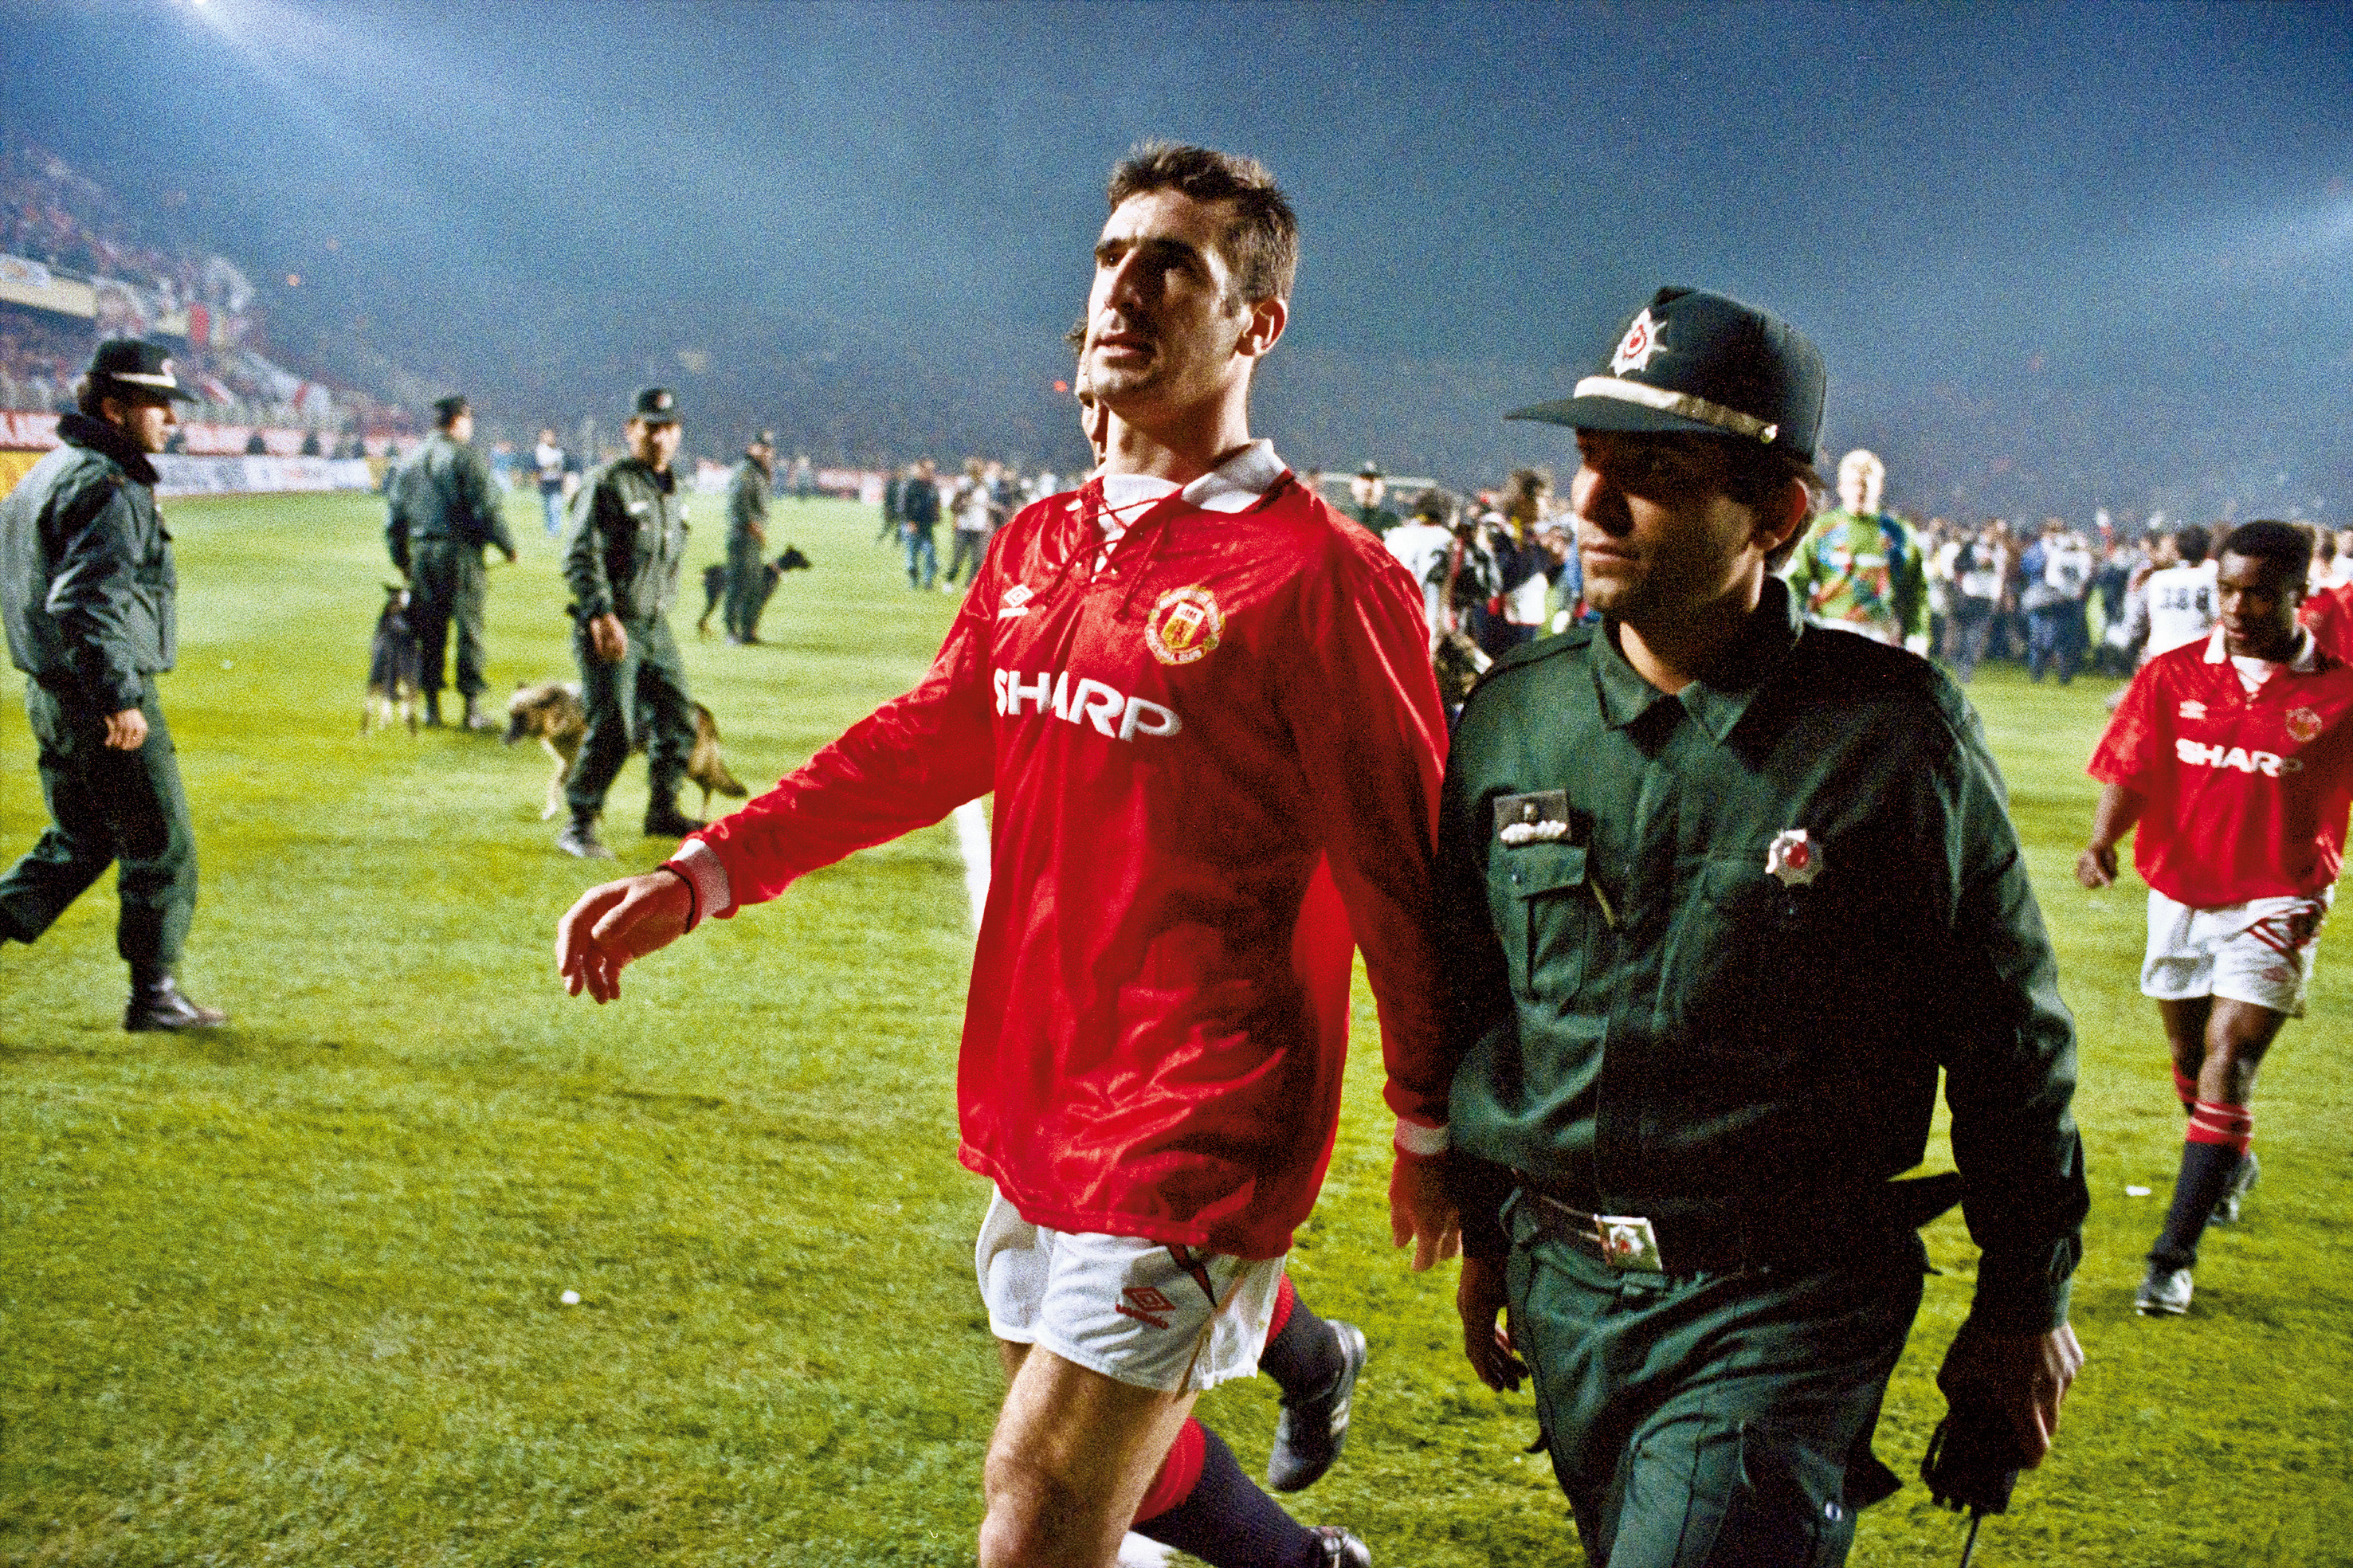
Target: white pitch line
[{"x": 971, "y": 842}]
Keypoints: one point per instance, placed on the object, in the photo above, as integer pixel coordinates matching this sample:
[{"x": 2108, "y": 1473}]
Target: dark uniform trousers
[
  {"x": 445, "y": 583},
  {"x": 1711, "y": 1418},
  {"x": 744, "y": 598},
  {"x": 639, "y": 698},
  {"x": 108, "y": 807}
]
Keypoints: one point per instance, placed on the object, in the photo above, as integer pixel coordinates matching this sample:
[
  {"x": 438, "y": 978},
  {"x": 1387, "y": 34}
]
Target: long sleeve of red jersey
[
  {"x": 906, "y": 765},
  {"x": 1372, "y": 736}
]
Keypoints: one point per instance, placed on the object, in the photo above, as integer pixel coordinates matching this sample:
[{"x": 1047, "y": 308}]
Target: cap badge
[
  {"x": 1793, "y": 858},
  {"x": 1185, "y": 626},
  {"x": 661, "y": 401},
  {"x": 2303, "y": 725},
  {"x": 1635, "y": 349}
]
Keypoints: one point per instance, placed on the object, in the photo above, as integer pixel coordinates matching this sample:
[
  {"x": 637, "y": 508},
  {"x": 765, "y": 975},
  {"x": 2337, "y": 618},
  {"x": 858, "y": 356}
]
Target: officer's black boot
[
  {"x": 579, "y": 837},
  {"x": 157, "y": 1003},
  {"x": 433, "y": 711},
  {"x": 664, "y": 820}
]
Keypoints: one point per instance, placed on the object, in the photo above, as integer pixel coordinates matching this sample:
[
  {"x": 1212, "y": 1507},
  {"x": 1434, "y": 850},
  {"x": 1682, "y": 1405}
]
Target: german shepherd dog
[
  {"x": 393, "y": 665},
  {"x": 714, "y": 584},
  {"x": 1458, "y": 662},
  {"x": 555, "y": 714}
]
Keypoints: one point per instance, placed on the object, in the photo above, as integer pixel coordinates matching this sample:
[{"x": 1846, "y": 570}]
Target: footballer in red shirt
[
  {"x": 2234, "y": 758},
  {"x": 1203, "y": 705}
]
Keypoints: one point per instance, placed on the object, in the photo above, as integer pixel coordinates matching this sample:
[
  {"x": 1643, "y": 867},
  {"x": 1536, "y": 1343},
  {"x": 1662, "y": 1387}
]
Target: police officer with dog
[
  {"x": 1737, "y": 886},
  {"x": 747, "y": 531},
  {"x": 88, "y": 595},
  {"x": 627, "y": 542},
  {"x": 445, "y": 510}
]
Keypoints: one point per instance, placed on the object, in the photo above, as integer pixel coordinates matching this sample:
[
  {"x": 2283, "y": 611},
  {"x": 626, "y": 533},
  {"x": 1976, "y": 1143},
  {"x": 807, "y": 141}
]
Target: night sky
[{"x": 2057, "y": 257}]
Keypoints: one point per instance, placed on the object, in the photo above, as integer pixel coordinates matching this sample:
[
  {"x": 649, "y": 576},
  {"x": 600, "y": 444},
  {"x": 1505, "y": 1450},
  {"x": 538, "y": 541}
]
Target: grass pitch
[{"x": 290, "y": 1293}]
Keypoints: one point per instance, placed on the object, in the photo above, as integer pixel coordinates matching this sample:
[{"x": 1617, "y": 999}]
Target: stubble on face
[{"x": 1657, "y": 537}]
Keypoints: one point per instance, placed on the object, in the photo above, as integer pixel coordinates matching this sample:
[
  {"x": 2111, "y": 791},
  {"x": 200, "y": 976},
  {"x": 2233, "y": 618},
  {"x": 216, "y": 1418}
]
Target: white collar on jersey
[
  {"x": 2301, "y": 662},
  {"x": 1234, "y": 485}
]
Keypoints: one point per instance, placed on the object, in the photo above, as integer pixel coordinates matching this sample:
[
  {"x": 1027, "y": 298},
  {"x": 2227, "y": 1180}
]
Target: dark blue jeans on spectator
[
  {"x": 2047, "y": 644},
  {"x": 922, "y": 559}
]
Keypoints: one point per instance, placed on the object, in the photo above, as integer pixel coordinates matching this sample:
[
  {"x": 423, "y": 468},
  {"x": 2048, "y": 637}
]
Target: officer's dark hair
[
  {"x": 1757, "y": 478},
  {"x": 2194, "y": 542},
  {"x": 1262, "y": 244},
  {"x": 90, "y": 391},
  {"x": 2286, "y": 547}
]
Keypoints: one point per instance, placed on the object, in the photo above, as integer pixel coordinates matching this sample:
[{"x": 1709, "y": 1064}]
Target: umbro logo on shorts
[{"x": 1146, "y": 1305}]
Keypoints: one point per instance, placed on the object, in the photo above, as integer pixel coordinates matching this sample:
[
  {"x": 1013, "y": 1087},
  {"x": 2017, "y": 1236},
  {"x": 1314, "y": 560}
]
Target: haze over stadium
[{"x": 2059, "y": 257}]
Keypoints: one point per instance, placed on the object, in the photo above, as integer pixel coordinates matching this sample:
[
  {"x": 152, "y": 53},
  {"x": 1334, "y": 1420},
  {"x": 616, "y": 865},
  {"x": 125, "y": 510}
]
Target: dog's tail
[{"x": 727, "y": 783}]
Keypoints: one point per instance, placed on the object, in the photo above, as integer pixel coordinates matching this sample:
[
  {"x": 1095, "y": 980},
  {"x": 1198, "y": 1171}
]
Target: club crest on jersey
[
  {"x": 1185, "y": 626},
  {"x": 1635, "y": 349},
  {"x": 2303, "y": 725},
  {"x": 1792, "y": 857}
]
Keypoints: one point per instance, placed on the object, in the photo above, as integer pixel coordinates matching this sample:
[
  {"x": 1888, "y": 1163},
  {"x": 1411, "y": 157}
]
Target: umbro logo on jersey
[
  {"x": 1112, "y": 712},
  {"x": 1146, "y": 1305},
  {"x": 2193, "y": 709},
  {"x": 1015, "y": 603},
  {"x": 2270, "y": 765}
]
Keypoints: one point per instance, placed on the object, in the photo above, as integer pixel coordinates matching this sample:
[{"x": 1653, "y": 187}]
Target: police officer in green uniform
[
  {"x": 747, "y": 531},
  {"x": 87, "y": 592},
  {"x": 1730, "y": 890},
  {"x": 628, "y": 540},
  {"x": 443, "y": 509}
]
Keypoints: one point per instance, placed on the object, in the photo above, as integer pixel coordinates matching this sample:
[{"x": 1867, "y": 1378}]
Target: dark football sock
[
  {"x": 1227, "y": 1522},
  {"x": 1302, "y": 1355},
  {"x": 2216, "y": 1141}
]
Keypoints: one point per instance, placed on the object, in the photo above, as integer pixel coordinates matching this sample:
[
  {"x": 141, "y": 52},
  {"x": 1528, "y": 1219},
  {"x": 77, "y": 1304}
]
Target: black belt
[{"x": 1801, "y": 1234}]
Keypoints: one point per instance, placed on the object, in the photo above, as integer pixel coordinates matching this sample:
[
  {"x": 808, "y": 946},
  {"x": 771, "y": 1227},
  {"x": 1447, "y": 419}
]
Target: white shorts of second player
[
  {"x": 2258, "y": 951},
  {"x": 1140, "y": 1313}
]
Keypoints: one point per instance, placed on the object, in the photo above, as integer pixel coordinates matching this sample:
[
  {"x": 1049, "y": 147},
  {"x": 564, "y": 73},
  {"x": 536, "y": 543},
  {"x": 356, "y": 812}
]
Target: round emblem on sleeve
[
  {"x": 2303, "y": 725},
  {"x": 1793, "y": 858},
  {"x": 1185, "y": 626}
]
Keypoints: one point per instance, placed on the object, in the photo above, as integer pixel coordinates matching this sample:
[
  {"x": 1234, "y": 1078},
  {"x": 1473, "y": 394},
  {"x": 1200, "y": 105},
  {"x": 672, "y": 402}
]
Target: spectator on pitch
[
  {"x": 1980, "y": 577},
  {"x": 919, "y": 522},
  {"x": 804, "y": 477},
  {"x": 1273, "y": 715},
  {"x": 1859, "y": 569},
  {"x": 973, "y": 508},
  {"x": 1421, "y": 544},
  {"x": 2057, "y": 569},
  {"x": 1368, "y": 489},
  {"x": 2235, "y": 759},
  {"x": 1525, "y": 563},
  {"x": 444, "y": 512},
  {"x": 548, "y": 463},
  {"x": 628, "y": 541},
  {"x": 2177, "y": 602},
  {"x": 893, "y": 485},
  {"x": 747, "y": 535},
  {"x": 88, "y": 595}
]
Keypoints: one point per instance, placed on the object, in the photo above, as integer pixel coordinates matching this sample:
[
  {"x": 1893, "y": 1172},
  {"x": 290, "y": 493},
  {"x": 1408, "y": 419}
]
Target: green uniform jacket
[
  {"x": 1650, "y": 1021},
  {"x": 747, "y": 503},
  {"x": 628, "y": 541},
  {"x": 445, "y": 491},
  {"x": 87, "y": 586}
]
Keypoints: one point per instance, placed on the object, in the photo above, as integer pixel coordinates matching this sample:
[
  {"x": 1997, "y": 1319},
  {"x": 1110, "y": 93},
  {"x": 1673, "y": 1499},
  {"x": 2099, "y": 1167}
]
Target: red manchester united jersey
[
  {"x": 2247, "y": 793},
  {"x": 1180, "y": 732},
  {"x": 2328, "y": 614}
]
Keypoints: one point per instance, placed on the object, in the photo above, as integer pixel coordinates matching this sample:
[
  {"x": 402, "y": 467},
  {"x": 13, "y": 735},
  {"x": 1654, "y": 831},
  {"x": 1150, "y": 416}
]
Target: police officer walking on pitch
[
  {"x": 1734, "y": 888},
  {"x": 628, "y": 541},
  {"x": 444, "y": 511},
  {"x": 87, "y": 593},
  {"x": 747, "y": 531}
]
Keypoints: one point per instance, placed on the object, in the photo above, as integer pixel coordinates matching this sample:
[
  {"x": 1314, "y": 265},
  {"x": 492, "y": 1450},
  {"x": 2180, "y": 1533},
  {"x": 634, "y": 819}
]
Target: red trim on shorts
[{"x": 1179, "y": 1472}]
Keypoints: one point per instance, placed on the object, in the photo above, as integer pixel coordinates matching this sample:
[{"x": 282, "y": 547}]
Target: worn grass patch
[{"x": 289, "y": 1293}]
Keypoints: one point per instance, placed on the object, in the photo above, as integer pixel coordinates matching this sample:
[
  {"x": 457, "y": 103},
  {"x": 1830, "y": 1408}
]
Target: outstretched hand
[
  {"x": 616, "y": 922},
  {"x": 1421, "y": 1212}
]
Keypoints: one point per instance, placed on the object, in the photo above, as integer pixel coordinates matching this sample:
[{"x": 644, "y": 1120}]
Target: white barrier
[{"x": 184, "y": 476}]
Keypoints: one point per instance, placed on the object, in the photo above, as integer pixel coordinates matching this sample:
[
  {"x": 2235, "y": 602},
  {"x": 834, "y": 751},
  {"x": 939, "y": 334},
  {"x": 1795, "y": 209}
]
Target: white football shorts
[
  {"x": 1140, "y": 1313},
  {"x": 2259, "y": 952}
]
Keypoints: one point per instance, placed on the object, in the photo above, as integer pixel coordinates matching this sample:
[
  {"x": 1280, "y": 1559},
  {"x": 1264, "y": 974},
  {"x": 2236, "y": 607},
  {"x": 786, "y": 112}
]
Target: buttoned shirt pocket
[{"x": 1550, "y": 917}]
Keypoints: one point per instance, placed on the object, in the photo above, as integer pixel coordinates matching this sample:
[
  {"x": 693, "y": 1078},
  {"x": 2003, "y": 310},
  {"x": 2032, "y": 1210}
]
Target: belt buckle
[{"x": 1628, "y": 1243}]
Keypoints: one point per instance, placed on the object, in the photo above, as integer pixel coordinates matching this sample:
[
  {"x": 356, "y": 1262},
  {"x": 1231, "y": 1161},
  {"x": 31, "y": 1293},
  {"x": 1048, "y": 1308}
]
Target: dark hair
[
  {"x": 1262, "y": 244},
  {"x": 1757, "y": 476},
  {"x": 87, "y": 393},
  {"x": 2194, "y": 542},
  {"x": 2283, "y": 544},
  {"x": 91, "y": 389}
]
